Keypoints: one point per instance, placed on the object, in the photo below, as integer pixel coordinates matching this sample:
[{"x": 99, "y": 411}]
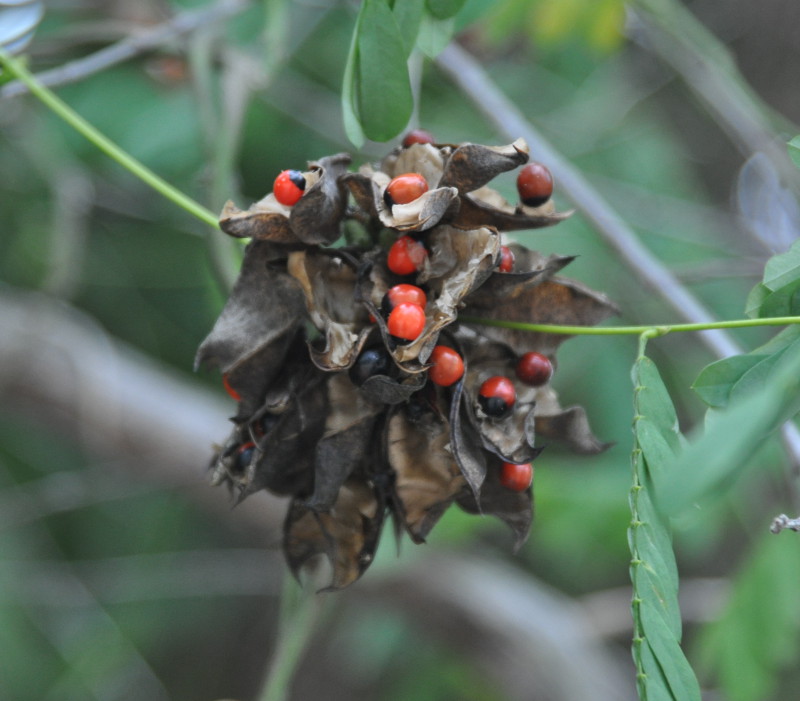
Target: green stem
[
  {"x": 300, "y": 610},
  {"x": 103, "y": 143},
  {"x": 651, "y": 329}
]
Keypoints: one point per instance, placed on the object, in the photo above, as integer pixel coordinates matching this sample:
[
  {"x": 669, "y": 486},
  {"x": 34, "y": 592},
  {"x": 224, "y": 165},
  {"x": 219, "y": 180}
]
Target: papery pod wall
[{"x": 346, "y": 401}]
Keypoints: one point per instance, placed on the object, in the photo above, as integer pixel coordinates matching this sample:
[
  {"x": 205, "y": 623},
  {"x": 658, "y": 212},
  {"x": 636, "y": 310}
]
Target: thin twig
[{"x": 147, "y": 40}]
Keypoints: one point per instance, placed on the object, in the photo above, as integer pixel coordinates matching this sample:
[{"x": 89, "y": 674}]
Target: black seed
[
  {"x": 387, "y": 198},
  {"x": 534, "y": 201},
  {"x": 268, "y": 422},
  {"x": 298, "y": 179},
  {"x": 494, "y": 407},
  {"x": 373, "y": 361},
  {"x": 386, "y": 305},
  {"x": 243, "y": 459}
]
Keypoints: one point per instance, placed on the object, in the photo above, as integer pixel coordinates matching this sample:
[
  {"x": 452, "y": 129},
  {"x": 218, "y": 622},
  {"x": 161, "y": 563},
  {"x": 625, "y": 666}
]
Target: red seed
[
  {"x": 406, "y": 256},
  {"x": 534, "y": 369},
  {"x": 230, "y": 390},
  {"x": 516, "y": 477},
  {"x": 289, "y": 187},
  {"x": 417, "y": 136},
  {"x": 403, "y": 293},
  {"x": 447, "y": 367},
  {"x": 534, "y": 184},
  {"x": 404, "y": 189},
  {"x": 497, "y": 396},
  {"x": 507, "y": 259},
  {"x": 406, "y": 321}
]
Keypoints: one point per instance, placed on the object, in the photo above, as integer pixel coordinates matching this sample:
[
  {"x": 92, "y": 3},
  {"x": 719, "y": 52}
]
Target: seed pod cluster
[{"x": 392, "y": 406}]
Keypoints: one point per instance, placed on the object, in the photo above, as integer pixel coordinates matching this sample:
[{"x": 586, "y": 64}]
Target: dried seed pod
[{"x": 333, "y": 409}]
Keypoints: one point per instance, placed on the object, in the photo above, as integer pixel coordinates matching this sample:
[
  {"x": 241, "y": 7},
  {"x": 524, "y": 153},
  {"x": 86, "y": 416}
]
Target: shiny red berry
[
  {"x": 417, "y": 136},
  {"x": 497, "y": 396},
  {"x": 289, "y": 187},
  {"x": 406, "y": 321},
  {"x": 507, "y": 259},
  {"x": 447, "y": 367},
  {"x": 534, "y": 184},
  {"x": 402, "y": 293},
  {"x": 406, "y": 256},
  {"x": 404, "y": 189},
  {"x": 534, "y": 369},
  {"x": 230, "y": 390},
  {"x": 516, "y": 477}
]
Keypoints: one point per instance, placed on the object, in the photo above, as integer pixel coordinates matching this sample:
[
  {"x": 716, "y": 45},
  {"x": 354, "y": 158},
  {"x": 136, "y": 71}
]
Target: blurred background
[{"x": 124, "y": 575}]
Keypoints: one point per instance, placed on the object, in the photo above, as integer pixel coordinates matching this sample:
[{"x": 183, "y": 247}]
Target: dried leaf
[
  {"x": 511, "y": 507},
  {"x": 297, "y": 407},
  {"x": 347, "y": 534},
  {"x": 427, "y": 477},
  {"x": 265, "y": 220},
  {"x": 345, "y": 444},
  {"x": 570, "y": 426},
  {"x": 512, "y": 437},
  {"x": 426, "y": 159},
  {"x": 554, "y": 301},
  {"x": 475, "y": 213},
  {"x": 328, "y": 281},
  {"x": 256, "y": 327},
  {"x": 459, "y": 263},
  {"x": 382, "y": 389},
  {"x": 471, "y": 166},
  {"x": 316, "y": 217},
  {"x": 530, "y": 268},
  {"x": 465, "y": 444}
]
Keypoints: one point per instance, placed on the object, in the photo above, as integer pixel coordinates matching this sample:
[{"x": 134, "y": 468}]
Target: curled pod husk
[{"x": 315, "y": 219}]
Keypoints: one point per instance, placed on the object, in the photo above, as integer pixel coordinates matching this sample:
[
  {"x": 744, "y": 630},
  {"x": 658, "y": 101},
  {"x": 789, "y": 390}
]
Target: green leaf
[
  {"x": 776, "y": 294},
  {"x": 756, "y": 635},
  {"x": 783, "y": 302},
  {"x": 652, "y": 399},
  {"x": 659, "y": 447},
  {"x": 350, "y": 117},
  {"x": 653, "y": 536},
  {"x": 655, "y": 683},
  {"x": 434, "y": 35},
  {"x": 408, "y": 15},
  {"x": 755, "y": 299},
  {"x": 444, "y": 9},
  {"x": 783, "y": 269},
  {"x": 655, "y": 589},
  {"x": 663, "y": 671},
  {"x": 715, "y": 381},
  {"x": 679, "y": 674},
  {"x": 383, "y": 94},
  {"x": 754, "y": 379},
  {"x": 794, "y": 150},
  {"x": 724, "y": 450}
]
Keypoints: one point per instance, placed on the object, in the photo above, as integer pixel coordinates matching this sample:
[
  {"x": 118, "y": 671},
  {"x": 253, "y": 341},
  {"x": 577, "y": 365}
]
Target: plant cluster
[{"x": 361, "y": 389}]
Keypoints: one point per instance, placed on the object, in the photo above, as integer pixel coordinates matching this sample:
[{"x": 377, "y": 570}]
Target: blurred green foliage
[{"x": 78, "y": 227}]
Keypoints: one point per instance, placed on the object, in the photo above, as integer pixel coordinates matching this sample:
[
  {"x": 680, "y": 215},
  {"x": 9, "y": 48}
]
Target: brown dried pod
[
  {"x": 512, "y": 507},
  {"x": 427, "y": 477},
  {"x": 347, "y": 535},
  {"x": 315, "y": 219},
  {"x": 256, "y": 327},
  {"x": 350, "y": 425},
  {"x": 328, "y": 280}
]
